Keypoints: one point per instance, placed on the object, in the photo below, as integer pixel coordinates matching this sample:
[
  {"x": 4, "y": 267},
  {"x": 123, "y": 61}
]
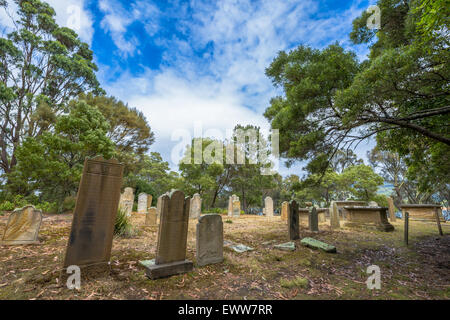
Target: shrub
[
  {"x": 297, "y": 282},
  {"x": 6, "y": 206},
  {"x": 69, "y": 204},
  {"x": 228, "y": 221},
  {"x": 47, "y": 207},
  {"x": 123, "y": 226}
]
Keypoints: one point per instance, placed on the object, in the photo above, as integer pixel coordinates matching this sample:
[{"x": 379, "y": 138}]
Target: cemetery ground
[{"x": 419, "y": 271}]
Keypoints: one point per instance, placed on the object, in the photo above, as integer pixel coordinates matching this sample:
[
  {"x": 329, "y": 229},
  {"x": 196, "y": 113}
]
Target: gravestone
[
  {"x": 151, "y": 217},
  {"x": 392, "y": 216},
  {"x": 334, "y": 216},
  {"x": 142, "y": 203},
  {"x": 149, "y": 201},
  {"x": 284, "y": 211},
  {"x": 172, "y": 238},
  {"x": 313, "y": 220},
  {"x": 293, "y": 221},
  {"x": 22, "y": 227},
  {"x": 268, "y": 206},
  {"x": 209, "y": 239},
  {"x": 372, "y": 204},
  {"x": 158, "y": 206},
  {"x": 127, "y": 200},
  {"x": 236, "y": 208},
  {"x": 94, "y": 216},
  {"x": 196, "y": 206},
  {"x": 230, "y": 204}
]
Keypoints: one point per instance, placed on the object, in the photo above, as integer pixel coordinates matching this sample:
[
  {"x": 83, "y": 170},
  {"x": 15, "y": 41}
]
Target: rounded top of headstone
[{"x": 210, "y": 218}]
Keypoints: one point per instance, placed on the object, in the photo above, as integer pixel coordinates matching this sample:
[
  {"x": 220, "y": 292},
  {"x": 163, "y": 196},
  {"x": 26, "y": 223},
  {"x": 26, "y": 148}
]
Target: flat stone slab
[
  {"x": 238, "y": 247},
  {"x": 156, "y": 271},
  {"x": 288, "y": 246},
  {"x": 316, "y": 244}
]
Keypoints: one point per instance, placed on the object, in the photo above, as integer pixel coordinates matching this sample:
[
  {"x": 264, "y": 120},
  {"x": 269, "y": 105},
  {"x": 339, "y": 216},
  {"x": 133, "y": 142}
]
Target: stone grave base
[
  {"x": 386, "y": 227},
  {"x": 156, "y": 271}
]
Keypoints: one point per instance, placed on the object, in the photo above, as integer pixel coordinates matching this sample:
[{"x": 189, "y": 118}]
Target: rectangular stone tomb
[
  {"x": 341, "y": 204},
  {"x": 370, "y": 217},
  {"x": 423, "y": 212},
  {"x": 22, "y": 227},
  {"x": 91, "y": 235},
  {"x": 172, "y": 237}
]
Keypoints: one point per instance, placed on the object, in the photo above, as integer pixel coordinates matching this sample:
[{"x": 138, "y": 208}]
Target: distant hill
[{"x": 386, "y": 189}]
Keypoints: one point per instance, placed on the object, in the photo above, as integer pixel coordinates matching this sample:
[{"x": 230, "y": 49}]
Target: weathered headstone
[
  {"x": 127, "y": 200},
  {"x": 284, "y": 211},
  {"x": 172, "y": 238},
  {"x": 236, "y": 208},
  {"x": 22, "y": 227},
  {"x": 151, "y": 217},
  {"x": 91, "y": 236},
  {"x": 268, "y": 206},
  {"x": 196, "y": 207},
  {"x": 313, "y": 220},
  {"x": 209, "y": 239},
  {"x": 230, "y": 204},
  {"x": 293, "y": 221},
  {"x": 334, "y": 216},
  {"x": 142, "y": 203},
  {"x": 288, "y": 246},
  {"x": 149, "y": 201},
  {"x": 392, "y": 216},
  {"x": 372, "y": 204},
  {"x": 158, "y": 206}
]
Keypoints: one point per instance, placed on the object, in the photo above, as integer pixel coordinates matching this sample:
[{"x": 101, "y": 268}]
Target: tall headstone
[
  {"x": 313, "y": 220},
  {"x": 91, "y": 236},
  {"x": 392, "y": 216},
  {"x": 209, "y": 239},
  {"x": 142, "y": 203},
  {"x": 230, "y": 204},
  {"x": 172, "y": 237},
  {"x": 293, "y": 221},
  {"x": 268, "y": 205},
  {"x": 127, "y": 200},
  {"x": 22, "y": 227},
  {"x": 236, "y": 208},
  {"x": 149, "y": 201},
  {"x": 158, "y": 206},
  {"x": 284, "y": 211},
  {"x": 151, "y": 217},
  {"x": 196, "y": 207},
  {"x": 334, "y": 216}
]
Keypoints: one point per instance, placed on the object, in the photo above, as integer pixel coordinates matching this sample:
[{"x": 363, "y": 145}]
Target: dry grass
[{"x": 420, "y": 271}]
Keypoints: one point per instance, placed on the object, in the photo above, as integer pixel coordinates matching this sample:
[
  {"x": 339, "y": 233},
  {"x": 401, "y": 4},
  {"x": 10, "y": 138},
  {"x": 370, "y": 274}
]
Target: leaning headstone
[
  {"x": 316, "y": 244},
  {"x": 142, "y": 203},
  {"x": 392, "y": 216},
  {"x": 209, "y": 239},
  {"x": 196, "y": 206},
  {"x": 127, "y": 200},
  {"x": 268, "y": 206},
  {"x": 95, "y": 213},
  {"x": 334, "y": 216},
  {"x": 313, "y": 220},
  {"x": 151, "y": 217},
  {"x": 22, "y": 227},
  {"x": 284, "y": 211},
  {"x": 172, "y": 238},
  {"x": 236, "y": 208},
  {"x": 293, "y": 221}
]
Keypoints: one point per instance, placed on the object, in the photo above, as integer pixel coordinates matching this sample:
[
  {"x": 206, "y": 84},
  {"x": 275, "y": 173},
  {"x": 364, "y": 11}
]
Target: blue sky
[{"x": 188, "y": 62}]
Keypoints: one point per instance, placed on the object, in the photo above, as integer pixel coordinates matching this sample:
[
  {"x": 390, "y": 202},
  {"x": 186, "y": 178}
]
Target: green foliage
[
  {"x": 297, "y": 282},
  {"x": 53, "y": 162},
  {"x": 7, "y": 206},
  {"x": 48, "y": 207},
  {"x": 43, "y": 66},
  {"x": 123, "y": 226}
]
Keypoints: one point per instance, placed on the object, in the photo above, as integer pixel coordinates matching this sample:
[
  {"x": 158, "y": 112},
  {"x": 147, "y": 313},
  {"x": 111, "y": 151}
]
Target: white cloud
[{"x": 64, "y": 17}]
